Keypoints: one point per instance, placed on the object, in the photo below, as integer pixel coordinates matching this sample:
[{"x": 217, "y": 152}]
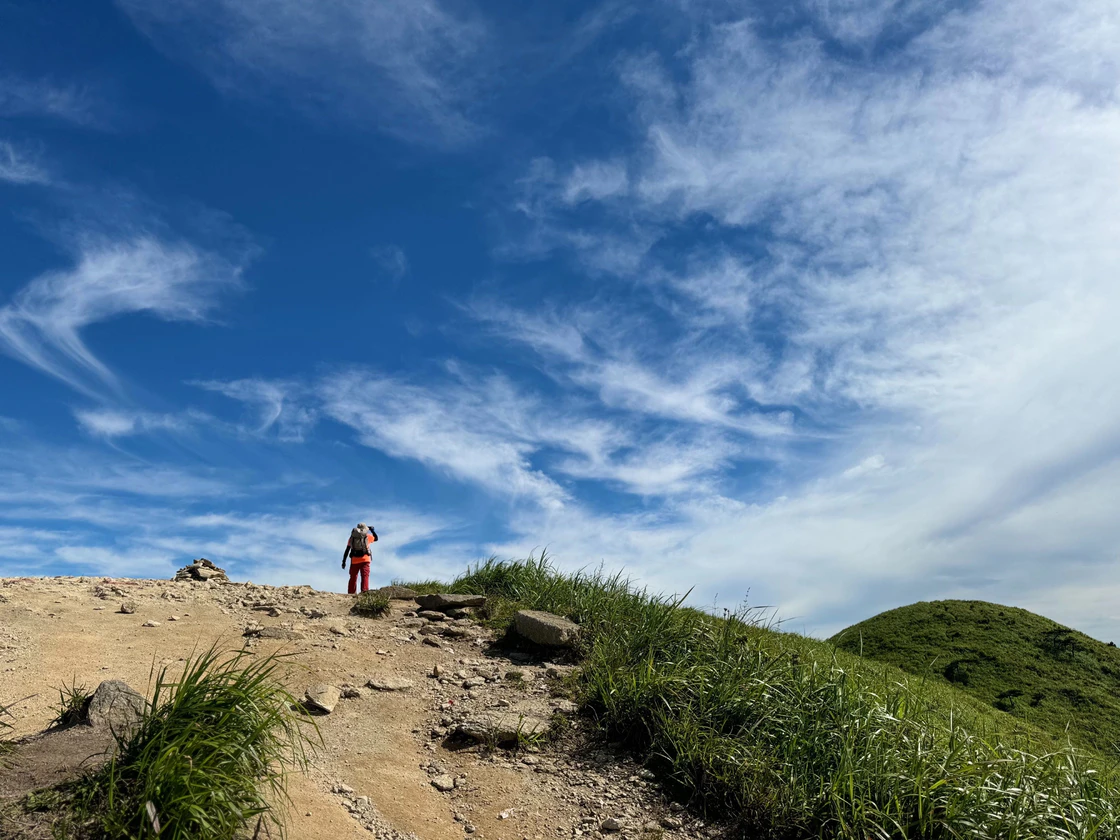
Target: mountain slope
[{"x": 1017, "y": 661}]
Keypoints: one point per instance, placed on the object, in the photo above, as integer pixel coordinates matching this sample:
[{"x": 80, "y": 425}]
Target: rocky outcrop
[
  {"x": 544, "y": 628},
  {"x": 202, "y": 570},
  {"x": 445, "y": 601}
]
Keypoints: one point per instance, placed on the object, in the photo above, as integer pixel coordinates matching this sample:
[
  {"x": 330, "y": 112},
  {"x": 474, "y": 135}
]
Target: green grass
[
  {"x": 73, "y": 701},
  {"x": 371, "y": 604},
  {"x": 1013, "y": 660},
  {"x": 209, "y": 759},
  {"x": 793, "y": 738}
]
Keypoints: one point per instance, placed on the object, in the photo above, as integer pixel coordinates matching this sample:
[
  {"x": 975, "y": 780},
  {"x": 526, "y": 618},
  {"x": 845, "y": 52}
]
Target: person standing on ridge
[{"x": 357, "y": 549}]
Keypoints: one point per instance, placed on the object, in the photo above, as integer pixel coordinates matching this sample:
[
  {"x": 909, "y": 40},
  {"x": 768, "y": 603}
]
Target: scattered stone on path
[
  {"x": 115, "y": 706},
  {"x": 322, "y": 698},
  {"x": 433, "y": 641},
  {"x": 501, "y": 728},
  {"x": 443, "y": 601},
  {"x": 350, "y": 692},
  {"x": 431, "y": 615},
  {"x": 610, "y": 826},
  {"x": 339, "y": 630},
  {"x": 129, "y": 607},
  {"x": 390, "y": 684},
  {"x": 173, "y": 618},
  {"x": 273, "y": 633},
  {"x": 545, "y": 628},
  {"x": 202, "y": 570},
  {"x": 437, "y": 671},
  {"x": 460, "y": 612},
  {"x": 150, "y": 623},
  {"x": 443, "y": 783}
]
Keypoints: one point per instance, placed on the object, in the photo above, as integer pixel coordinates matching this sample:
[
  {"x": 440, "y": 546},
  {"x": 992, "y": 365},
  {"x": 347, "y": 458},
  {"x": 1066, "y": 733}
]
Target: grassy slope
[
  {"x": 796, "y": 739},
  {"x": 1006, "y": 657}
]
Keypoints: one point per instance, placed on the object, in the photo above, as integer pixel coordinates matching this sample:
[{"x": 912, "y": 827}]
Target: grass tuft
[
  {"x": 793, "y": 738},
  {"x": 371, "y": 604},
  {"x": 72, "y": 705},
  {"x": 209, "y": 758}
]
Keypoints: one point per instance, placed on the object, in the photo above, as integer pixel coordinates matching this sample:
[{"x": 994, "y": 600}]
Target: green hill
[{"x": 1015, "y": 660}]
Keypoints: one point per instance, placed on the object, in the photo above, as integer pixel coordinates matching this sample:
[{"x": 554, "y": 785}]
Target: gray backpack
[{"x": 358, "y": 545}]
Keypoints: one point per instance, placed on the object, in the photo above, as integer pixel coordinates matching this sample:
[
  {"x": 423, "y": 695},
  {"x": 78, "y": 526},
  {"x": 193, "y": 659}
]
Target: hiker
[{"x": 357, "y": 549}]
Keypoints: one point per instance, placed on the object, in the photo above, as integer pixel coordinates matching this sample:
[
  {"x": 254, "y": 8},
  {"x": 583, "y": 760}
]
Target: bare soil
[{"x": 381, "y": 750}]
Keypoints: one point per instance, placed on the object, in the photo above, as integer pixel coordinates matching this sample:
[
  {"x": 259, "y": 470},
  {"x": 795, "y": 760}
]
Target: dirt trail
[{"x": 381, "y": 749}]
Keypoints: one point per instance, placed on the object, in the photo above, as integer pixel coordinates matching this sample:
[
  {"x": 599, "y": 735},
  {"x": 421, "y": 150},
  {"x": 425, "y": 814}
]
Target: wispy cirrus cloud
[
  {"x": 392, "y": 260},
  {"x": 914, "y": 252},
  {"x": 20, "y": 167},
  {"x": 42, "y": 324},
  {"x": 23, "y": 97},
  {"x": 407, "y": 67}
]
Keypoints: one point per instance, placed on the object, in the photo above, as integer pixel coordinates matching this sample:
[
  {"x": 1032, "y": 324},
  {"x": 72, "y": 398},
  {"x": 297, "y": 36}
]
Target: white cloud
[
  {"x": 42, "y": 325},
  {"x": 17, "y": 167},
  {"x": 115, "y": 423},
  {"x": 408, "y": 67}
]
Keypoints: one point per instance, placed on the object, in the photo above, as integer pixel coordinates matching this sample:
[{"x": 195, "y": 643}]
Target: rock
[
  {"x": 446, "y": 601},
  {"x": 274, "y": 633},
  {"x": 412, "y": 623},
  {"x": 437, "y": 671},
  {"x": 460, "y": 612},
  {"x": 443, "y": 783},
  {"x": 474, "y": 682},
  {"x": 322, "y": 698},
  {"x": 610, "y": 826},
  {"x": 150, "y": 623},
  {"x": 432, "y": 615},
  {"x": 350, "y": 692},
  {"x": 671, "y": 823},
  {"x": 433, "y": 641},
  {"x": 344, "y": 789},
  {"x": 202, "y": 570},
  {"x": 390, "y": 684},
  {"x": 173, "y": 618},
  {"x": 456, "y": 632},
  {"x": 434, "y": 630},
  {"x": 339, "y": 630},
  {"x": 545, "y": 628},
  {"x": 116, "y": 707},
  {"x": 397, "y": 593},
  {"x": 501, "y": 728},
  {"x": 312, "y": 612},
  {"x": 129, "y": 607}
]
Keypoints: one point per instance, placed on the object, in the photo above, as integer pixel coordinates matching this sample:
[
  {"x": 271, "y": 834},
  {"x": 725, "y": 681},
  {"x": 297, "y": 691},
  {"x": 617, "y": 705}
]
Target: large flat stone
[
  {"x": 116, "y": 706},
  {"x": 545, "y": 628},
  {"x": 397, "y": 593},
  {"x": 443, "y": 601},
  {"x": 501, "y": 728}
]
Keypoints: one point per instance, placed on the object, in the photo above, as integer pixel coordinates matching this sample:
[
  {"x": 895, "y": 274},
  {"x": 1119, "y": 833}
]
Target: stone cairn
[{"x": 202, "y": 570}]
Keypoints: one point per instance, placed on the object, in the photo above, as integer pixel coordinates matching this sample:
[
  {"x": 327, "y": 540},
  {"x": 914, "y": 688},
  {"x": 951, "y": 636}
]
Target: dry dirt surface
[{"x": 387, "y": 751}]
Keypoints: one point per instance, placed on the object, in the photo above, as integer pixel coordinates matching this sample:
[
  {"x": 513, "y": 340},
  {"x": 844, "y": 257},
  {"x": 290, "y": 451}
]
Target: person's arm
[{"x": 345, "y": 554}]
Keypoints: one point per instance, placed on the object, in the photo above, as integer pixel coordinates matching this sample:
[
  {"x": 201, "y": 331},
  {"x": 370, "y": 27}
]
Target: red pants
[{"x": 359, "y": 568}]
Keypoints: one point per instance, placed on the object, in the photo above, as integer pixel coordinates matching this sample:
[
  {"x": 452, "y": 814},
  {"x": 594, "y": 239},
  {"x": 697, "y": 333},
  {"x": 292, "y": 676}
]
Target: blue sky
[{"x": 809, "y": 303}]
